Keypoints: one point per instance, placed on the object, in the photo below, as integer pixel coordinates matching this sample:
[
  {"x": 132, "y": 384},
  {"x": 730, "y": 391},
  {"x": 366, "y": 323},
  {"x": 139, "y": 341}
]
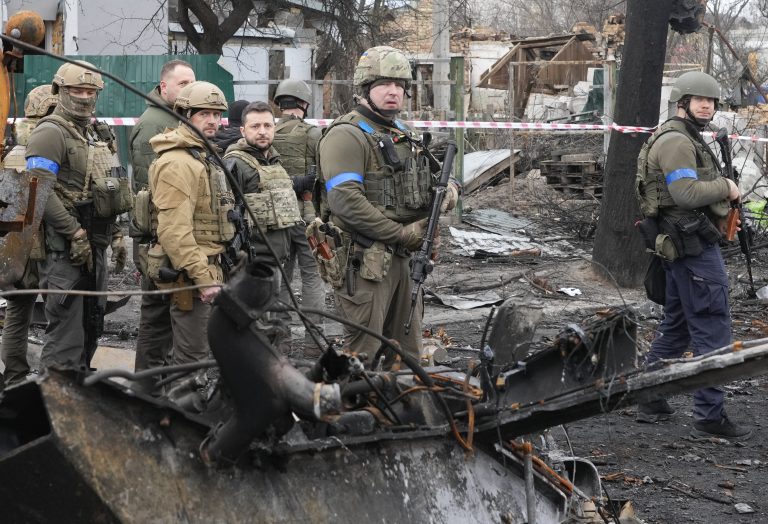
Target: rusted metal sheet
[{"x": 22, "y": 202}]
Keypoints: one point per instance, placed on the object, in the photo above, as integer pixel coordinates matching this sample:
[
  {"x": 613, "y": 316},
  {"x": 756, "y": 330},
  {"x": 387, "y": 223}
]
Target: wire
[
  {"x": 122, "y": 373},
  {"x": 409, "y": 361}
]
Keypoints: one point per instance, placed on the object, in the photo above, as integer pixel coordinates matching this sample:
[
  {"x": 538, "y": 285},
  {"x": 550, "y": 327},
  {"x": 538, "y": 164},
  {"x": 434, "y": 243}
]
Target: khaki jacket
[{"x": 180, "y": 188}]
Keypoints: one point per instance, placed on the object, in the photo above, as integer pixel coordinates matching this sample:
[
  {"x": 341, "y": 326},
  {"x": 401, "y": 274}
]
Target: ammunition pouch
[
  {"x": 376, "y": 261},
  {"x": 274, "y": 208},
  {"x": 141, "y": 220},
  {"x": 157, "y": 260},
  {"x": 685, "y": 237},
  {"x": 111, "y": 196}
]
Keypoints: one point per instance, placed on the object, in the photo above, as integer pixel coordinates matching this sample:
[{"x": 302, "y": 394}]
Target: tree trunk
[{"x": 618, "y": 246}]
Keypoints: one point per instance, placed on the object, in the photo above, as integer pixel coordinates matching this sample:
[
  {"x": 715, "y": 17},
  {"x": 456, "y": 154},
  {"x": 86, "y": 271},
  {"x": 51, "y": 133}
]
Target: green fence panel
[{"x": 142, "y": 72}]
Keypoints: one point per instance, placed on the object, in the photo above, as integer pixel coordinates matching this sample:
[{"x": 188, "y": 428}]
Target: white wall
[
  {"x": 247, "y": 64},
  {"x": 112, "y": 27},
  {"x": 484, "y": 55}
]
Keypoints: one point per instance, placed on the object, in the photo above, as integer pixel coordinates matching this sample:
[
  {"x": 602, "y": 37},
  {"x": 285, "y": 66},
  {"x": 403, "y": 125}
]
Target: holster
[{"x": 183, "y": 299}]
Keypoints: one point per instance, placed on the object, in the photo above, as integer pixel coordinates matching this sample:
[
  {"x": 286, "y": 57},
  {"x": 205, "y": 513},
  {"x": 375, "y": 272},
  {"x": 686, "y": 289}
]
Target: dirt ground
[{"x": 669, "y": 477}]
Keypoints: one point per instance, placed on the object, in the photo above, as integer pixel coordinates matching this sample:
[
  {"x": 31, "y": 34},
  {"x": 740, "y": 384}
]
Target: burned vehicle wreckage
[{"x": 261, "y": 438}]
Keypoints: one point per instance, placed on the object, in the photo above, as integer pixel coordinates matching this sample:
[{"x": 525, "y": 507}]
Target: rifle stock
[{"x": 421, "y": 262}]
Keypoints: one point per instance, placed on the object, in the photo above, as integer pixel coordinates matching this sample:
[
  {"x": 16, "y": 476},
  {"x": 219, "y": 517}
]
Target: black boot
[
  {"x": 723, "y": 428},
  {"x": 654, "y": 411}
]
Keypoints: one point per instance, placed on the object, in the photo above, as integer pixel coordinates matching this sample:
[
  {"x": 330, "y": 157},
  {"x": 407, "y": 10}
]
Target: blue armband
[
  {"x": 38, "y": 162},
  {"x": 341, "y": 178},
  {"x": 677, "y": 174}
]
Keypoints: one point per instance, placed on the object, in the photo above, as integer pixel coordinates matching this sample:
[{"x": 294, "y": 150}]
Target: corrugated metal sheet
[{"x": 142, "y": 72}]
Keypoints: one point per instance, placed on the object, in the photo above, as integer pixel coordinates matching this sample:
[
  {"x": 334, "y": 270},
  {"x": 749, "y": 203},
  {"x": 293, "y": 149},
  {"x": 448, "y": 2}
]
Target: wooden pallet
[{"x": 575, "y": 177}]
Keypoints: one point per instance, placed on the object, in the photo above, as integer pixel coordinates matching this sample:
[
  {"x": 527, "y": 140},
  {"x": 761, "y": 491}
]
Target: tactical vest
[
  {"x": 292, "y": 142},
  {"x": 15, "y": 159},
  {"x": 87, "y": 174},
  {"x": 401, "y": 187},
  {"x": 274, "y": 205},
  {"x": 650, "y": 186},
  {"x": 24, "y": 129},
  {"x": 206, "y": 227}
]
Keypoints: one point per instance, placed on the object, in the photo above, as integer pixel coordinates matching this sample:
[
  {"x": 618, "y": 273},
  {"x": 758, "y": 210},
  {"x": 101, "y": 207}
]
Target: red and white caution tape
[{"x": 449, "y": 124}]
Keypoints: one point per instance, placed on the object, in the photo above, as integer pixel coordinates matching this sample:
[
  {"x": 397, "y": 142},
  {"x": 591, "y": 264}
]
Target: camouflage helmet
[
  {"x": 695, "y": 83},
  {"x": 295, "y": 88},
  {"x": 200, "y": 95},
  {"x": 382, "y": 62},
  {"x": 71, "y": 75},
  {"x": 39, "y": 101}
]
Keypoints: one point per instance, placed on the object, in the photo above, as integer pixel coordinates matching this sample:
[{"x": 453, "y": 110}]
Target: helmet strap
[
  {"x": 388, "y": 113},
  {"x": 685, "y": 103}
]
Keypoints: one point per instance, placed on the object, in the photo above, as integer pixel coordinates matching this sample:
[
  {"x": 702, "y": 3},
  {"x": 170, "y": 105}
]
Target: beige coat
[{"x": 180, "y": 188}]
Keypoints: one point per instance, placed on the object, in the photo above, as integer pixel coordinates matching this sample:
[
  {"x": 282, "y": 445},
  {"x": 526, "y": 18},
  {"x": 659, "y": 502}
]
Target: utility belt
[
  {"x": 155, "y": 264},
  {"x": 672, "y": 239},
  {"x": 341, "y": 256}
]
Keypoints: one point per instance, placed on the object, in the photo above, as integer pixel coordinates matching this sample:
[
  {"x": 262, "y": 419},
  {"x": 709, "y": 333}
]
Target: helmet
[
  {"x": 200, "y": 95},
  {"x": 382, "y": 62},
  {"x": 295, "y": 88},
  {"x": 39, "y": 101},
  {"x": 71, "y": 75},
  {"x": 695, "y": 83}
]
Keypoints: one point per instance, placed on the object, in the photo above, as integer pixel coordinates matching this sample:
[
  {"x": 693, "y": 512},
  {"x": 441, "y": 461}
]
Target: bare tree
[
  {"x": 542, "y": 17},
  {"x": 215, "y": 32}
]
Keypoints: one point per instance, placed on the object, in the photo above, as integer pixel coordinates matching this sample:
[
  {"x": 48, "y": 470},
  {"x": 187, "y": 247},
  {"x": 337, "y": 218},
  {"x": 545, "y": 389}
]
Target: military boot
[
  {"x": 723, "y": 428},
  {"x": 654, "y": 411}
]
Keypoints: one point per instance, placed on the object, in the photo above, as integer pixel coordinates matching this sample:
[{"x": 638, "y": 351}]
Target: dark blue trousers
[{"x": 696, "y": 314}]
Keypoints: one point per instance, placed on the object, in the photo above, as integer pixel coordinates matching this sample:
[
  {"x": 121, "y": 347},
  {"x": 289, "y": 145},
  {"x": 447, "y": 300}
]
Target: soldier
[
  {"x": 153, "y": 345},
  {"x": 191, "y": 200},
  {"x": 680, "y": 187},
  {"x": 18, "y": 312},
  {"x": 296, "y": 141},
  {"x": 378, "y": 187},
  {"x": 79, "y": 216},
  {"x": 268, "y": 189}
]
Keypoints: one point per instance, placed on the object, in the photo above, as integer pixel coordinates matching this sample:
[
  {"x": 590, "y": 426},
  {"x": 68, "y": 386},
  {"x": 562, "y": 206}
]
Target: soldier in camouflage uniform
[
  {"x": 79, "y": 218},
  {"x": 296, "y": 141},
  {"x": 378, "y": 189},
  {"x": 268, "y": 189},
  {"x": 155, "y": 340},
  {"x": 18, "y": 313}
]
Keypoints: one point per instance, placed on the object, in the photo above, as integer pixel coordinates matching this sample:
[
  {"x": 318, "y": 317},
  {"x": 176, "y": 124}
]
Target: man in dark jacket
[
  {"x": 155, "y": 339},
  {"x": 173, "y": 77},
  {"x": 227, "y": 136}
]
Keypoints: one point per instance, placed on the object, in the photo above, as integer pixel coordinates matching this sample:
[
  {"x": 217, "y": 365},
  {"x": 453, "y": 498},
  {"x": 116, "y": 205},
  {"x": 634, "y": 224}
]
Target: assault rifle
[
  {"x": 242, "y": 238},
  {"x": 93, "y": 310},
  {"x": 736, "y": 214},
  {"x": 421, "y": 263}
]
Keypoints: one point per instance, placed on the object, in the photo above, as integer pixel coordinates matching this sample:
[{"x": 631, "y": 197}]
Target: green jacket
[{"x": 152, "y": 122}]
